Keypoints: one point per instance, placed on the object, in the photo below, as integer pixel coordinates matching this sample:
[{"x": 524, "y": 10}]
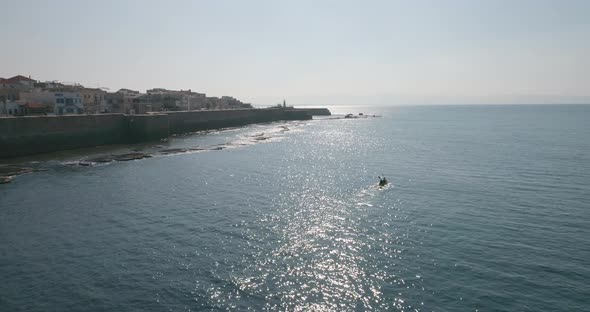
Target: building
[
  {"x": 33, "y": 97},
  {"x": 192, "y": 100},
  {"x": 19, "y": 82},
  {"x": 28, "y": 96},
  {"x": 148, "y": 103},
  {"x": 23, "y": 108},
  {"x": 93, "y": 100},
  {"x": 10, "y": 108},
  {"x": 58, "y": 102},
  {"x": 229, "y": 102},
  {"x": 113, "y": 102},
  {"x": 11, "y": 88},
  {"x": 34, "y": 108},
  {"x": 224, "y": 102},
  {"x": 49, "y": 86},
  {"x": 212, "y": 102},
  {"x": 177, "y": 100},
  {"x": 9, "y": 94},
  {"x": 68, "y": 103},
  {"x": 123, "y": 101}
]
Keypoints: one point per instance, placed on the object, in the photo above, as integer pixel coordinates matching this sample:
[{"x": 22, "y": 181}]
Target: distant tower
[{"x": 284, "y": 104}]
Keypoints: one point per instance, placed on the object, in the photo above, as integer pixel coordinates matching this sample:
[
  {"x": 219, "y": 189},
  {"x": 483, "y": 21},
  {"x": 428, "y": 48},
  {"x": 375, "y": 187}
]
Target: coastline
[{"x": 24, "y": 136}]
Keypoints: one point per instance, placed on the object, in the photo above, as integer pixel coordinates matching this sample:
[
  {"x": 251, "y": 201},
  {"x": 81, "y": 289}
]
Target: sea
[{"x": 488, "y": 209}]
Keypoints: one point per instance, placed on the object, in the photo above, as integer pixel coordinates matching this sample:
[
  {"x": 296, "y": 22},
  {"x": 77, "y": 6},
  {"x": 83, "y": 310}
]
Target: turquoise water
[{"x": 488, "y": 210}]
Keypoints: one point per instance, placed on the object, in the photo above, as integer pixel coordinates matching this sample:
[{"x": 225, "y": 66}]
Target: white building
[
  {"x": 10, "y": 108},
  {"x": 62, "y": 102}
]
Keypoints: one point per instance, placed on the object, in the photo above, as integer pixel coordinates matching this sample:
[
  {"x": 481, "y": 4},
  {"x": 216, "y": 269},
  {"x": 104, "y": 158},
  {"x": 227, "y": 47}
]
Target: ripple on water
[{"x": 476, "y": 220}]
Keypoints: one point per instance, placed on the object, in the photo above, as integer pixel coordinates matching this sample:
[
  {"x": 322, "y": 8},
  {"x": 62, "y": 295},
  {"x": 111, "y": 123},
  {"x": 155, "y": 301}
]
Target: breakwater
[
  {"x": 315, "y": 111},
  {"x": 21, "y": 136}
]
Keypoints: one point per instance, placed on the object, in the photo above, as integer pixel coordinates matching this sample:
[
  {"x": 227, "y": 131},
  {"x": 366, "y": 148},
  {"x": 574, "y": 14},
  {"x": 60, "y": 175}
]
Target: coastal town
[
  {"x": 24, "y": 96},
  {"x": 47, "y": 116}
]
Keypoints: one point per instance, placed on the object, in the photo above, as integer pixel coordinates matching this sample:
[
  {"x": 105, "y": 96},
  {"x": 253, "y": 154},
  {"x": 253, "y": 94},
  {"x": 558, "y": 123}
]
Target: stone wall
[
  {"x": 142, "y": 128},
  {"x": 39, "y": 134},
  {"x": 182, "y": 122},
  {"x": 314, "y": 111},
  {"x": 20, "y": 136}
]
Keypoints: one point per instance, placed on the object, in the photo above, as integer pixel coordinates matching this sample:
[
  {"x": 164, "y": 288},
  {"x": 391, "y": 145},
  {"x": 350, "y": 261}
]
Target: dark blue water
[{"x": 489, "y": 210}]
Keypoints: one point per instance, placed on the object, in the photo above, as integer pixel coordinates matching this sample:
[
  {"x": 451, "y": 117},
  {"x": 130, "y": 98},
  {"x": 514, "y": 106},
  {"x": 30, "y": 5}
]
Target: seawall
[
  {"x": 21, "y": 136},
  {"x": 314, "y": 111}
]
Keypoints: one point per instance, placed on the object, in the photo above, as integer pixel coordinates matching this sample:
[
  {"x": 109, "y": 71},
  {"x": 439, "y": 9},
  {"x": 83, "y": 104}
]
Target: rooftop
[{"x": 18, "y": 78}]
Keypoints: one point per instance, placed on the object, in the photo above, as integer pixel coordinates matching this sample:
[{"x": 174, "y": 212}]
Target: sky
[{"x": 309, "y": 52}]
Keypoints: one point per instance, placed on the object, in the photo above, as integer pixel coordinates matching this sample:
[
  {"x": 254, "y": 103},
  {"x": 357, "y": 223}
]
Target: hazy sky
[{"x": 315, "y": 52}]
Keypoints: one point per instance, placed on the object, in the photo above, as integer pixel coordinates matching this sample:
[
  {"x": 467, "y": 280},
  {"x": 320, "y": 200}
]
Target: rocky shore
[
  {"x": 10, "y": 171},
  {"x": 23, "y": 136}
]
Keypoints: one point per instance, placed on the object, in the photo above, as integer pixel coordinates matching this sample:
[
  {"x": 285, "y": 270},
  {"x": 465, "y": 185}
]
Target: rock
[
  {"x": 12, "y": 170},
  {"x": 101, "y": 159},
  {"x": 173, "y": 150},
  {"x": 8, "y": 172},
  {"x": 130, "y": 156}
]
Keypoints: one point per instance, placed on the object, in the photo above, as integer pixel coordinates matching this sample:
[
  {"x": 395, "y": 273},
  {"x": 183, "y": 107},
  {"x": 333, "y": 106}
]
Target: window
[{"x": 69, "y": 110}]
